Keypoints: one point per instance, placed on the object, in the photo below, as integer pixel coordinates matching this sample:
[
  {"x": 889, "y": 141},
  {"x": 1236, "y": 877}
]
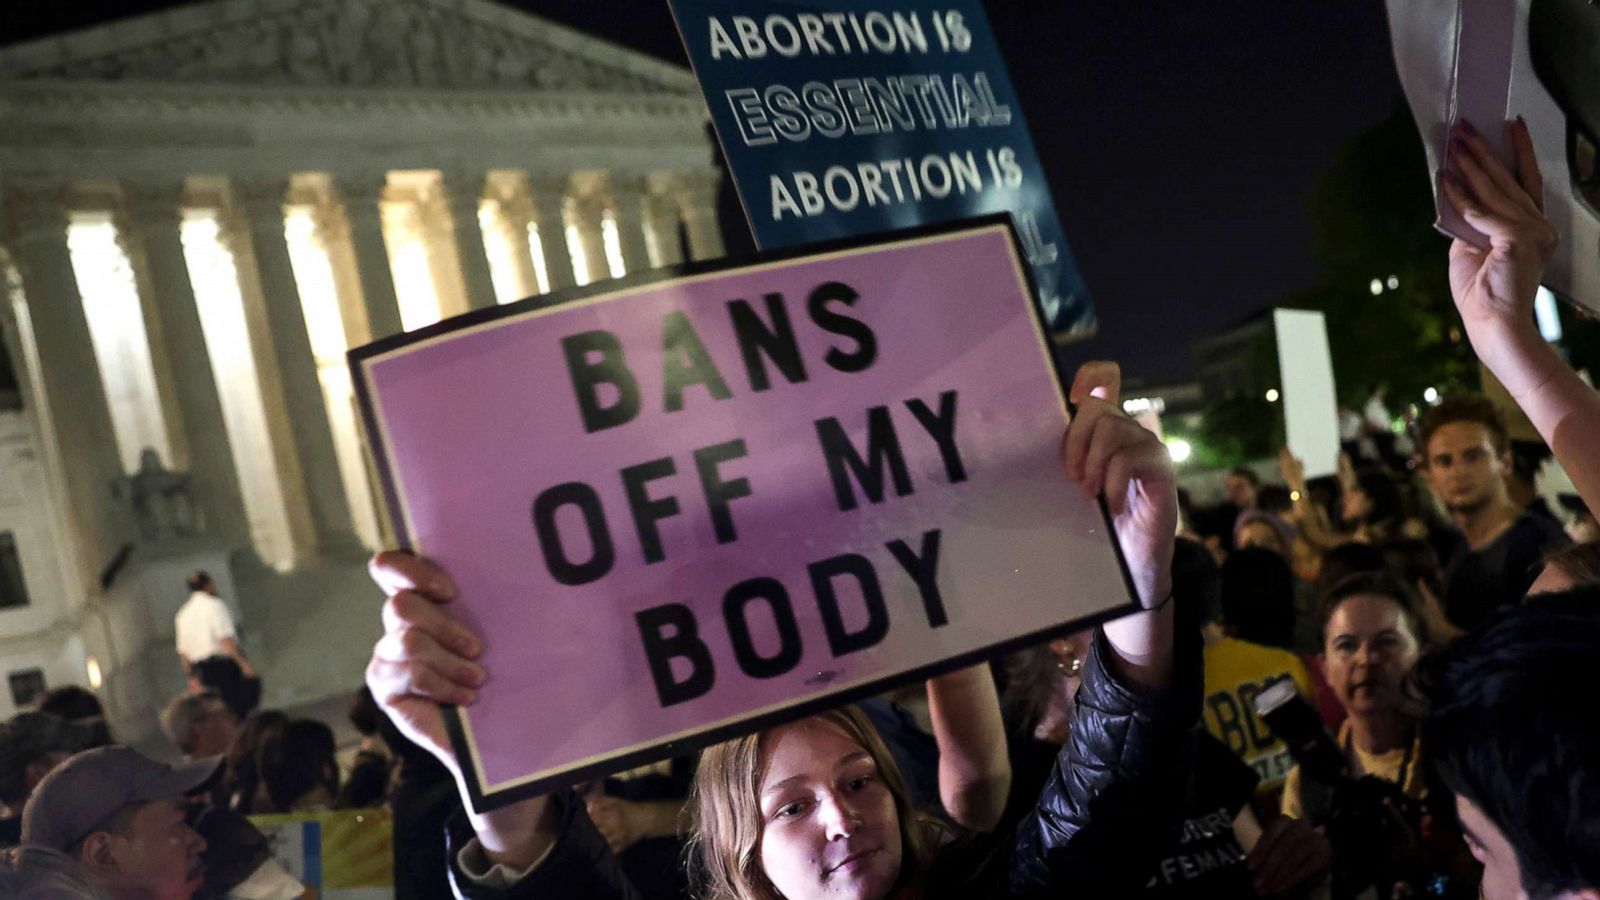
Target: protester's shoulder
[
  {"x": 215, "y": 606},
  {"x": 1540, "y": 531}
]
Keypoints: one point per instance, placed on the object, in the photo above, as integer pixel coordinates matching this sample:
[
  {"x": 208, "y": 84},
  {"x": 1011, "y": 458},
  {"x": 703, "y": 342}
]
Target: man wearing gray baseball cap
[{"x": 124, "y": 817}]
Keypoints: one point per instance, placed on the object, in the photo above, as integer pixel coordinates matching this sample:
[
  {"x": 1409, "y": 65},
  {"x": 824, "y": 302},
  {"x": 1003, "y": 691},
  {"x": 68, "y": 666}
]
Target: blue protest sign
[{"x": 851, "y": 117}]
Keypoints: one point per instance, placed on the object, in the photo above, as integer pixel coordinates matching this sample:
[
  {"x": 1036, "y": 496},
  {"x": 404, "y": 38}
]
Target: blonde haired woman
[{"x": 815, "y": 808}]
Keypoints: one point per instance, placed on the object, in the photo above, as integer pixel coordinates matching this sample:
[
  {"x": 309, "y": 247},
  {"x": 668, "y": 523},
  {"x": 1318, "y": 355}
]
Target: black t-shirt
[
  {"x": 1477, "y": 582},
  {"x": 1208, "y": 861}
]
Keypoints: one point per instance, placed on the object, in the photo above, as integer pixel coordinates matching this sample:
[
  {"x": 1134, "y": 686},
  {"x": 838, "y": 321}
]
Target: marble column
[
  {"x": 661, "y": 225},
  {"x": 513, "y": 213},
  {"x": 75, "y": 420},
  {"x": 587, "y": 212},
  {"x": 155, "y": 217},
  {"x": 628, "y": 194},
  {"x": 697, "y": 200},
  {"x": 463, "y": 193},
  {"x": 309, "y": 445},
  {"x": 549, "y": 198},
  {"x": 360, "y": 196},
  {"x": 168, "y": 409}
]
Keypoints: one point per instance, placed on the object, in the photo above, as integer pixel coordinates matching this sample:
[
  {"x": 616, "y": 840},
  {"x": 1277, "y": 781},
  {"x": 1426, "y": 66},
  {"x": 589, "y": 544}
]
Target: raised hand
[
  {"x": 1105, "y": 450},
  {"x": 1293, "y": 470},
  {"x": 1289, "y": 855},
  {"x": 425, "y": 656},
  {"x": 1497, "y": 286}
]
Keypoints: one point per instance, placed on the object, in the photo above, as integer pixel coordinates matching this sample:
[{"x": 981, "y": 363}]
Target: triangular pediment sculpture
[{"x": 472, "y": 45}]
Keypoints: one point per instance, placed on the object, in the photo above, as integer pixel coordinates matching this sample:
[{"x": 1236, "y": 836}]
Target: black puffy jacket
[{"x": 1113, "y": 802}]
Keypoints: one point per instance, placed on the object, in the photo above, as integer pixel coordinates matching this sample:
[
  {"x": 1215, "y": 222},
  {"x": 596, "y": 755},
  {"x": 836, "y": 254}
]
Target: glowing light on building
[
  {"x": 222, "y": 319},
  {"x": 413, "y": 284},
  {"x": 319, "y": 301},
  {"x": 541, "y": 272},
  {"x": 1180, "y": 449},
  {"x": 1272, "y": 395},
  {"x": 96, "y": 677},
  {"x": 1376, "y": 286},
  {"x": 580, "y": 259},
  {"x": 612, "y": 238},
  {"x": 503, "y": 269},
  {"x": 116, "y": 330}
]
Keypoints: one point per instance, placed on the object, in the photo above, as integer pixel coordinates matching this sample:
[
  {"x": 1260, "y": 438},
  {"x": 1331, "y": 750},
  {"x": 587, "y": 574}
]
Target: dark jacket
[{"x": 1112, "y": 803}]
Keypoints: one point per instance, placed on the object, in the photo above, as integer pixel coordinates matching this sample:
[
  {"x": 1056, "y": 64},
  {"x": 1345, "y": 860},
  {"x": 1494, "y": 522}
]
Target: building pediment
[{"x": 471, "y": 45}]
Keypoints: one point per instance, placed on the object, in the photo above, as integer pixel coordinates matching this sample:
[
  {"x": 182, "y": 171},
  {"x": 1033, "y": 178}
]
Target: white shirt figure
[{"x": 202, "y": 624}]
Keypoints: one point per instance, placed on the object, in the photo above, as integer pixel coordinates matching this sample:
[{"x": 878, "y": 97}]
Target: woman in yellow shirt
[{"x": 1372, "y": 636}]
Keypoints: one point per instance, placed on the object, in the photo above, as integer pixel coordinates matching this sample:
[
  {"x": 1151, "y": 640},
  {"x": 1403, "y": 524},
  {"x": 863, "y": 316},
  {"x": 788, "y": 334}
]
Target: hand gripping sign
[{"x": 682, "y": 510}]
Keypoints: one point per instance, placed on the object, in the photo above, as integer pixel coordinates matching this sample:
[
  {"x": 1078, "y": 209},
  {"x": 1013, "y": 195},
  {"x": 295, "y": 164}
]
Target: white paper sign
[
  {"x": 1310, "y": 406},
  {"x": 1475, "y": 60}
]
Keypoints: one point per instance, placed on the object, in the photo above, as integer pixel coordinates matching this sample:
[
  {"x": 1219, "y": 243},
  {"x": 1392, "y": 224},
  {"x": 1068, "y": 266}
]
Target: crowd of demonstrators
[
  {"x": 1426, "y": 625},
  {"x": 818, "y": 806}
]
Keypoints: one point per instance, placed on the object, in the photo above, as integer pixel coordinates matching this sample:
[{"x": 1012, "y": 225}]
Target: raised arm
[
  {"x": 1105, "y": 450},
  {"x": 1494, "y": 291},
  {"x": 1309, "y": 517},
  {"x": 426, "y": 658},
  {"x": 544, "y": 846},
  {"x": 974, "y": 770},
  {"x": 1114, "y": 797}
]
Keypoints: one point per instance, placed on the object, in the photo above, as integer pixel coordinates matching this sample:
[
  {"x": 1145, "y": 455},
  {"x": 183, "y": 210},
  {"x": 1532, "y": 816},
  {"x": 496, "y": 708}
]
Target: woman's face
[
  {"x": 829, "y": 824},
  {"x": 1369, "y": 649}
]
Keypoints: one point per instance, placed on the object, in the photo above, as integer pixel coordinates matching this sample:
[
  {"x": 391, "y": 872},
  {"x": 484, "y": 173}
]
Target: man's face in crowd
[
  {"x": 1464, "y": 468},
  {"x": 1263, "y": 535},
  {"x": 156, "y": 857},
  {"x": 215, "y": 732},
  {"x": 1241, "y": 492}
]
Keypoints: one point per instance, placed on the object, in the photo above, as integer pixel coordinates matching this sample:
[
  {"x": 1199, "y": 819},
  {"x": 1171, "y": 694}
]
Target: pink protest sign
[{"x": 688, "y": 509}]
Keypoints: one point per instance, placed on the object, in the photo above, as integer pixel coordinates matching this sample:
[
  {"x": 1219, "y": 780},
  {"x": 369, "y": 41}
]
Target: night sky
[{"x": 1181, "y": 139}]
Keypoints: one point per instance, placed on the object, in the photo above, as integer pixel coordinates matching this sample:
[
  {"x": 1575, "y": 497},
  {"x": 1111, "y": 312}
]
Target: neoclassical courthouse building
[{"x": 201, "y": 210}]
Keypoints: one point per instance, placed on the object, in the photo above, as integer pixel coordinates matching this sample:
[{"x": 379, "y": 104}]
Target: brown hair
[
  {"x": 727, "y": 827},
  {"x": 1381, "y": 584},
  {"x": 1464, "y": 408},
  {"x": 1580, "y": 562}
]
